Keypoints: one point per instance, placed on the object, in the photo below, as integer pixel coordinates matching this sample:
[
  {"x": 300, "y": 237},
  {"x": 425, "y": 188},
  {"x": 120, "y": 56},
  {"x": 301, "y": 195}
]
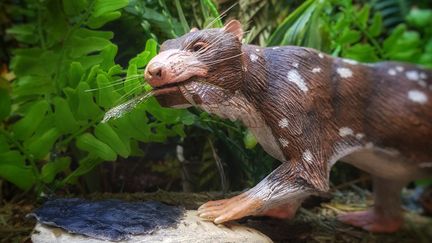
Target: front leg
[{"x": 278, "y": 195}]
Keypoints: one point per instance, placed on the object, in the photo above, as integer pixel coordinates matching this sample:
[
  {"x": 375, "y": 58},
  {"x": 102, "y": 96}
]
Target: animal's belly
[{"x": 387, "y": 165}]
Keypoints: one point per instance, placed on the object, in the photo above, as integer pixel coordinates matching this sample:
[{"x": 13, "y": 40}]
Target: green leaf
[
  {"x": 82, "y": 46},
  {"x": 132, "y": 84},
  {"x": 20, "y": 176},
  {"x": 63, "y": 117},
  {"x": 25, "y": 127},
  {"x": 375, "y": 28},
  {"x": 23, "y": 33},
  {"x": 102, "y": 7},
  {"x": 349, "y": 37},
  {"x": 89, "y": 143},
  {"x": 87, "y": 108},
  {"x": 106, "y": 134},
  {"x": 51, "y": 169},
  {"x": 106, "y": 95},
  {"x": 249, "y": 140},
  {"x": 33, "y": 85},
  {"x": 362, "y": 53},
  {"x": 363, "y": 16},
  {"x": 74, "y": 7},
  {"x": 5, "y": 104},
  {"x": 76, "y": 71},
  {"x": 420, "y": 17},
  {"x": 97, "y": 22},
  {"x": 12, "y": 157},
  {"x": 40, "y": 146}
]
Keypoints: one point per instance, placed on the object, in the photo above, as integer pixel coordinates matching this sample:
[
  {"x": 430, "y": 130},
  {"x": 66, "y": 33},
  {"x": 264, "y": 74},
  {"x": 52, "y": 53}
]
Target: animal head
[{"x": 200, "y": 67}]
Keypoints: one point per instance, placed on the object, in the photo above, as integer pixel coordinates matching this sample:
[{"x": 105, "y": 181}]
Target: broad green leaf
[
  {"x": 41, "y": 146},
  {"x": 83, "y": 46},
  {"x": 132, "y": 84},
  {"x": 277, "y": 37},
  {"x": 33, "y": 85},
  {"x": 87, "y": 108},
  {"x": 99, "y": 21},
  {"x": 349, "y": 37},
  {"x": 74, "y": 7},
  {"x": 52, "y": 168},
  {"x": 420, "y": 17},
  {"x": 89, "y": 143},
  {"x": 34, "y": 61},
  {"x": 362, "y": 53},
  {"x": 106, "y": 134},
  {"x": 106, "y": 94},
  {"x": 20, "y": 176},
  {"x": 108, "y": 54},
  {"x": 102, "y": 7},
  {"x": 5, "y": 104},
  {"x": 63, "y": 117},
  {"x": 76, "y": 71},
  {"x": 4, "y": 145},
  {"x": 12, "y": 157},
  {"x": 24, "y": 33},
  {"x": 363, "y": 16},
  {"x": 376, "y": 27},
  {"x": 25, "y": 127}
]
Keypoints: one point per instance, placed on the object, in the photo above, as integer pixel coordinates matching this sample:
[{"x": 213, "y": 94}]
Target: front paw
[{"x": 230, "y": 209}]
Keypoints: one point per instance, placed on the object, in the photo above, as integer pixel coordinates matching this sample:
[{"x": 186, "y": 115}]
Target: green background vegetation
[{"x": 66, "y": 62}]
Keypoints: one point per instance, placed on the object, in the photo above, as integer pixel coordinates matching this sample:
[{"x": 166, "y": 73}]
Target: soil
[{"x": 315, "y": 221}]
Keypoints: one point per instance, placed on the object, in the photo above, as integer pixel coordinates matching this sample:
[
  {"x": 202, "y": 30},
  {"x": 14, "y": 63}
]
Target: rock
[{"x": 190, "y": 229}]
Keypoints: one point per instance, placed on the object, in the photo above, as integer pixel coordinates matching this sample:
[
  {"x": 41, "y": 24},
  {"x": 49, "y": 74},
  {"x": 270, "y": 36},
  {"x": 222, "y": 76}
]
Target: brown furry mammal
[{"x": 308, "y": 110}]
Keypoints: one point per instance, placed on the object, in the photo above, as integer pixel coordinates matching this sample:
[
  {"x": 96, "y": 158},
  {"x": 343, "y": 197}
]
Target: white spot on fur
[
  {"x": 295, "y": 64},
  {"x": 321, "y": 55},
  {"x": 417, "y": 96},
  {"x": 425, "y": 165},
  {"x": 283, "y": 123},
  {"x": 369, "y": 145},
  {"x": 253, "y": 57},
  {"x": 412, "y": 75},
  {"x": 283, "y": 142},
  {"x": 316, "y": 70},
  {"x": 359, "y": 135},
  {"x": 344, "y": 72},
  {"x": 275, "y": 48},
  {"x": 257, "y": 50},
  {"x": 295, "y": 77},
  {"x": 345, "y": 131},
  {"x": 422, "y": 83},
  {"x": 349, "y": 61},
  {"x": 307, "y": 156},
  {"x": 399, "y": 68},
  {"x": 392, "y": 72},
  {"x": 423, "y": 75}
]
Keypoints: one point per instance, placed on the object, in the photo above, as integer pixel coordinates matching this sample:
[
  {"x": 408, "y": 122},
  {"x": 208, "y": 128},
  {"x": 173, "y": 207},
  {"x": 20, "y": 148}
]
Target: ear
[
  {"x": 194, "y": 29},
  {"x": 234, "y": 27}
]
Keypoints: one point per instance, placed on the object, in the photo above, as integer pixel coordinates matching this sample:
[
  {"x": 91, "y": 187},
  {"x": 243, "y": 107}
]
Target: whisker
[{"x": 221, "y": 15}]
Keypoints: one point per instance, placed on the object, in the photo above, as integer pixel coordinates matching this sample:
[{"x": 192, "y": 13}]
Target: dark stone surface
[{"x": 113, "y": 220}]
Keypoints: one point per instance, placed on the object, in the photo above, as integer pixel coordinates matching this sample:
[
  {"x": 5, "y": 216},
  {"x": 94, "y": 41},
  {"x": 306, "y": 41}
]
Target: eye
[{"x": 199, "y": 46}]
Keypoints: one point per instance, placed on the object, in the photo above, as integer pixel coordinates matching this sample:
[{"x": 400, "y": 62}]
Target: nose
[{"x": 154, "y": 72}]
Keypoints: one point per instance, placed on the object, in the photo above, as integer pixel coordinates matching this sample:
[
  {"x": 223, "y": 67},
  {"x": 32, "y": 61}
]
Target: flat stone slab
[{"x": 190, "y": 229}]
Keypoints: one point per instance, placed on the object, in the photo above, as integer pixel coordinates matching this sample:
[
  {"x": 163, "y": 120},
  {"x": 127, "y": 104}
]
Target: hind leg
[{"x": 386, "y": 214}]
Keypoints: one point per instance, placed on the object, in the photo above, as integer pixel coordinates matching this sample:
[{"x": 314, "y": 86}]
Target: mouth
[{"x": 171, "y": 95}]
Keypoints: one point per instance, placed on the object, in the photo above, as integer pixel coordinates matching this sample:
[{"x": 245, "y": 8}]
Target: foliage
[
  {"x": 50, "y": 121},
  {"x": 70, "y": 68}
]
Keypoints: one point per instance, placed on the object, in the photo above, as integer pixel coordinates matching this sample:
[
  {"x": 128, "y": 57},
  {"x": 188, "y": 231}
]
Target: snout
[
  {"x": 172, "y": 67},
  {"x": 155, "y": 74}
]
